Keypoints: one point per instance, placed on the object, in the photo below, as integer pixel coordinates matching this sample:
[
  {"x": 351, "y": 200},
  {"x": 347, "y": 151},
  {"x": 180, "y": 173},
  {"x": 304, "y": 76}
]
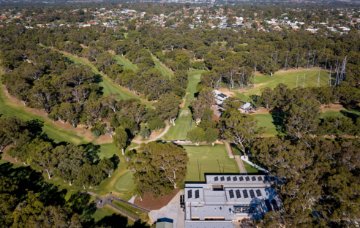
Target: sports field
[{"x": 208, "y": 159}]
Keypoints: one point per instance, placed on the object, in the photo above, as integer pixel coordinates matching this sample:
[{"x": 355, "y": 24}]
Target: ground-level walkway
[{"x": 237, "y": 158}]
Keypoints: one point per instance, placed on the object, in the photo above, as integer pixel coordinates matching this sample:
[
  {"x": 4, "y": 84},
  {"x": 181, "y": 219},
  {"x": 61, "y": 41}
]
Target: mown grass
[
  {"x": 101, "y": 213},
  {"x": 110, "y": 88},
  {"x": 10, "y": 109},
  {"x": 164, "y": 70},
  {"x": 265, "y": 124},
  {"x": 249, "y": 168},
  {"x": 291, "y": 78},
  {"x": 208, "y": 159},
  {"x": 133, "y": 211},
  {"x": 184, "y": 122},
  {"x": 126, "y": 63},
  {"x": 121, "y": 182}
]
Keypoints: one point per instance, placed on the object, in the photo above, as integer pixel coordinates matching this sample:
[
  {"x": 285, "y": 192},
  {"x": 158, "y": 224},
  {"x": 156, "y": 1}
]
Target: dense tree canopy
[{"x": 158, "y": 168}]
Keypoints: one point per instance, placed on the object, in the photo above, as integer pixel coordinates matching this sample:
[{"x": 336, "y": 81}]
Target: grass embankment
[
  {"x": 132, "y": 210},
  {"x": 184, "y": 122},
  {"x": 164, "y": 70},
  {"x": 208, "y": 159}
]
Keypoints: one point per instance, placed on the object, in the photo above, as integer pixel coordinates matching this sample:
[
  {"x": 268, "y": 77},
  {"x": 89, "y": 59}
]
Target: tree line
[
  {"x": 77, "y": 165},
  {"x": 27, "y": 200}
]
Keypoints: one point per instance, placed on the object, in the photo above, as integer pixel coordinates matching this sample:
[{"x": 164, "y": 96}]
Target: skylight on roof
[
  {"x": 189, "y": 194},
  {"x": 245, "y": 194},
  {"x": 231, "y": 194},
  {"x": 197, "y": 194},
  {"x": 238, "y": 195},
  {"x": 258, "y": 192},
  {"x": 252, "y": 194}
]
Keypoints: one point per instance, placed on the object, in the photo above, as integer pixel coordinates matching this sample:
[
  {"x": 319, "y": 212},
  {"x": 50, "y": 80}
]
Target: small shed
[
  {"x": 164, "y": 223},
  {"x": 246, "y": 108}
]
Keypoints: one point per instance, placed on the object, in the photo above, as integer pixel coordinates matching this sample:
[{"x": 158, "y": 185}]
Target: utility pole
[
  {"x": 297, "y": 81},
  {"x": 286, "y": 60},
  {"x": 297, "y": 60},
  {"x": 343, "y": 70},
  {"x": 314, "y": 55},
  {"x": 330, "y": 84},
  {"x": 303, "y": 84}
]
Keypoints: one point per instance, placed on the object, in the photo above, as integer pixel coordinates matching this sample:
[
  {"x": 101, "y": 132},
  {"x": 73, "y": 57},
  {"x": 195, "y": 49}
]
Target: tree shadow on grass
[
  {"x": 278, "y": 120},
  {"x": 30, "y": 180}
]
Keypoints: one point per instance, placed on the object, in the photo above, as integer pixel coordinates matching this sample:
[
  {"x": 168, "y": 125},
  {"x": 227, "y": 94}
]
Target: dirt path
[
  {"x": 166, "y": 129},
  {"x": 237, "y": 158},
  {"x": 240, "y": 164},
  {"x": 229, "y": 150}
]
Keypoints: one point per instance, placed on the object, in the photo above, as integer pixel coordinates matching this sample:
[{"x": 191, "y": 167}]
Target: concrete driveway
[{"x": 172, "y": 210}]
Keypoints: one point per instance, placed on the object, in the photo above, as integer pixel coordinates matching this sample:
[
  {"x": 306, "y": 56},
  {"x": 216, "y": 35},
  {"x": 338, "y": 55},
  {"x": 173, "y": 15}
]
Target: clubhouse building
[{"x": 223, "y": 200}]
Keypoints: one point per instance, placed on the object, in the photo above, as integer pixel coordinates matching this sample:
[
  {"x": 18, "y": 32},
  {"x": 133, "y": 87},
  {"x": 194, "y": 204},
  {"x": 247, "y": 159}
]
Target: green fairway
[
  {"x": 121, "y": 181},
  {"x": 9, "y": 109},
  {"x": 109, "y": 87},
  {"x": 184, "y": 122},
  {"x": 165, "y": 71},
  {"x": 265, "y": 123},
  {"x": 127, "y": 64},
  {"x": 208, "y": 159}
]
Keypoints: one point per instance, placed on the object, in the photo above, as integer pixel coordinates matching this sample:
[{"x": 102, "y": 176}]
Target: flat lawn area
[
  {"x": 184, "y": 122},
  {"x": 265, "y": 122},
  {"x": 165, "y": 71},
  {"x": 121, "y": 182},
  {"x": 208, "y": 159},
  {"x": 127, "y": 64}
]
